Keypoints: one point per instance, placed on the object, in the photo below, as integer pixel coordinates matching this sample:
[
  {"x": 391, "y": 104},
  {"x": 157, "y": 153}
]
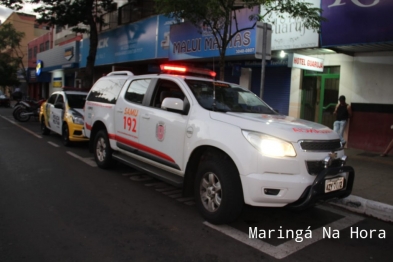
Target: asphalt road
[{"x": 56, "y": 205}]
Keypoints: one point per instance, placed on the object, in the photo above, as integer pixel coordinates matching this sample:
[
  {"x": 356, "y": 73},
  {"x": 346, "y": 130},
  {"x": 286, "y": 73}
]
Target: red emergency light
[{"x": 187, "y": 70}]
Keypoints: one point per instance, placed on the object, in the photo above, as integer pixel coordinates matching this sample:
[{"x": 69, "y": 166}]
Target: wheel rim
[
  {"x": 210, "y": 192},
  {"x": 23, "y": 115},
  {"x": 101, "y": 149}
]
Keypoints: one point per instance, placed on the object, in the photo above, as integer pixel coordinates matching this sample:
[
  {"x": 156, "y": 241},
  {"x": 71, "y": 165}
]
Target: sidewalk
[{"x": 372, "y": 192}]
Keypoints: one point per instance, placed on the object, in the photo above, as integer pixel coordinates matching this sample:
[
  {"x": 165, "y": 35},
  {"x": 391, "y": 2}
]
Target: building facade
[
  {"x": 354, "y": 61},
  {"x": 27, "y": 24}
]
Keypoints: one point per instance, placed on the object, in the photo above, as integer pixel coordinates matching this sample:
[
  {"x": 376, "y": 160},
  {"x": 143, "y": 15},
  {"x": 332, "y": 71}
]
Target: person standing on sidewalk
[{"x": 343, "y": 112}]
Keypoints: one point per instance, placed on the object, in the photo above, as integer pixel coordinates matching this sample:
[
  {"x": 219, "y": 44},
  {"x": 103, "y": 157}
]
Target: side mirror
[{"x": 173, "y": 105}]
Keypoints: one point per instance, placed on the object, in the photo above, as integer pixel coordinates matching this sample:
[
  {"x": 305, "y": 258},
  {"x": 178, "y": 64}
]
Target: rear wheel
[
  {"x": 218, "y": 191},
  {"x": 22, "y": 115},
  {"x": 44, "y": 130},
  {"x": 102, "y": 150},
  {"x": 65, "y": 134}
]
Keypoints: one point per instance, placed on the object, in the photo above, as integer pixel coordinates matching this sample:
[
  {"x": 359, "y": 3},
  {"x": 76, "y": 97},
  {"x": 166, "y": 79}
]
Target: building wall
[
  {"x": 366, "y": 79},
  {"x": 26, "y": 23},
  {"x": 36, "y": 43}
]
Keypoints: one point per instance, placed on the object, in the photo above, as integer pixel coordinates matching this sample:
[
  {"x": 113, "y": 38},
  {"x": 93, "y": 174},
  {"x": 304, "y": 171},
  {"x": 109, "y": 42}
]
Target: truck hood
[{"x": 280, "y": 126}]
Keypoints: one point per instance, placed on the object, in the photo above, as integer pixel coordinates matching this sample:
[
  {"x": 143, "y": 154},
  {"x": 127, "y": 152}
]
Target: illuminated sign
[
  {"x": 305, "y": 62},
  {"x": 38, "y": 68}
]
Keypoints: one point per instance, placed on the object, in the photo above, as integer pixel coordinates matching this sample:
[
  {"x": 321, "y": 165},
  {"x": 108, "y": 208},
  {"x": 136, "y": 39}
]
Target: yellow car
[{"x": 62, "y": 113}]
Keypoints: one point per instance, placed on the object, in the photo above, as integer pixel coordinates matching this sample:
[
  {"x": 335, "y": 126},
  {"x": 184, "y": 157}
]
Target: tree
[
  {"x": 12, "y": 55},
  {"x": 82, "y": 15},
  {"x": 217, "y": 15},
  {"x": 8, "y": 70}
]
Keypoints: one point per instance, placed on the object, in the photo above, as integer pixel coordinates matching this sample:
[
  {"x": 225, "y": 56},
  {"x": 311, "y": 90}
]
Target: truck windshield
[{"x": 228, "y": 97}]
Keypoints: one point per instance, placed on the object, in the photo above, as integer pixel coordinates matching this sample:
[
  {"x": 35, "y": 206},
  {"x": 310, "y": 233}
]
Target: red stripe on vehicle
[
  {"x": 141, "y": 147},
  {"x": 88, "y": 127}
]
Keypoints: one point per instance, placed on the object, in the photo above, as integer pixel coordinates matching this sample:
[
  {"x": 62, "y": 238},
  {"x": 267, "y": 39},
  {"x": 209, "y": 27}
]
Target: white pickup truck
[{"x": 218, "y": 141}]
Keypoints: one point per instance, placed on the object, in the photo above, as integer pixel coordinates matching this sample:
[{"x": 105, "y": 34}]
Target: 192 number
[{"x": 130, "y": 124}]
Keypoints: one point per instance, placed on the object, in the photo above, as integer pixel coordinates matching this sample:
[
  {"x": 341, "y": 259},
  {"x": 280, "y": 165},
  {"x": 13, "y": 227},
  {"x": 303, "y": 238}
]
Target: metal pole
[{"x": 263, "y": 59}]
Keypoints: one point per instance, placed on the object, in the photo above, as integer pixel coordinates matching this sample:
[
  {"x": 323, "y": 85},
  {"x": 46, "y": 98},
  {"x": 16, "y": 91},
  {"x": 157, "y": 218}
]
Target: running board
[{"x": 158, "y": 173}]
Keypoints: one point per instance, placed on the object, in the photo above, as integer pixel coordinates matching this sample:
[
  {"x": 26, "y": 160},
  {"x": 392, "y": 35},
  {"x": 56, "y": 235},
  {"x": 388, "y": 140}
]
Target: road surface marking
[
  {"x": 53, "y": 144},
  {"x": 290, "y": 246},
  {"x": 27, "y": 130},
  {"x": 87, "y": 160}
]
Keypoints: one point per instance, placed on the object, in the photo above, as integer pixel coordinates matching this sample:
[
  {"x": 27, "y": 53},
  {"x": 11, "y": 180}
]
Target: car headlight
[
  {"x": 78, "y": 120},
  {"x": 76, "y": 117},
  {"x": 268, "y": 145}
]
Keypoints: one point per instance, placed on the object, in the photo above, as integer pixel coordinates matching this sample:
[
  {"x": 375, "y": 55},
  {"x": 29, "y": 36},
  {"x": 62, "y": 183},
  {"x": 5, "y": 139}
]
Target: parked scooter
[{"x": 25, "y": 109}]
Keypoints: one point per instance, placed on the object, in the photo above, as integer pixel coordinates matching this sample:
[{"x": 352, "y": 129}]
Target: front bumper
[
  {"x": 316, "y": 191},
  {"x": 77, "y": 133}
]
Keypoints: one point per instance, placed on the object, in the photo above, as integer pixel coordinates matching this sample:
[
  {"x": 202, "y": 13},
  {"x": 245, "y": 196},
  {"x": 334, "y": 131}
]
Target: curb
[{"x": 364, "y": 206}]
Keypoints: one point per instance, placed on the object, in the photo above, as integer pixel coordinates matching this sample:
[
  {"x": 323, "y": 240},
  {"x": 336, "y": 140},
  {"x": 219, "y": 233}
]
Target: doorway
[{"x": 320, "y": 92}]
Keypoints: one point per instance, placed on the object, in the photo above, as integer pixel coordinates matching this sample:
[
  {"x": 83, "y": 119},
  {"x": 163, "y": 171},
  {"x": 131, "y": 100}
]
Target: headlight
[
  {"x": 268, "y": 145},
  {"x": 78, "y": 120}
]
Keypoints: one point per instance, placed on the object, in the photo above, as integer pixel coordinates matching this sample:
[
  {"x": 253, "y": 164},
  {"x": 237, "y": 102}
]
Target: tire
[
  {"x": 19, "y": 115},
  {"x": 44, "y": 130},
  {"x": 102, "y": 150},
  {"x": 16, "y": 109},
  {"x": 218, "y": 191},
  {"x": 65, "y": 135}
]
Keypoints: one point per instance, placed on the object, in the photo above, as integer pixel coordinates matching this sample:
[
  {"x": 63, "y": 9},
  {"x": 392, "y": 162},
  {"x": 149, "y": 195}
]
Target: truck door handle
[
  {"x": 146, "y": 116},
  {"x": 119, "y": 111}
]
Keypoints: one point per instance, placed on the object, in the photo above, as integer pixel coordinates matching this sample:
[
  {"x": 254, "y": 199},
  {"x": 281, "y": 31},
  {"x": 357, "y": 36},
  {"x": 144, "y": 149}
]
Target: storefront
[{"x": 60, "y": 64}]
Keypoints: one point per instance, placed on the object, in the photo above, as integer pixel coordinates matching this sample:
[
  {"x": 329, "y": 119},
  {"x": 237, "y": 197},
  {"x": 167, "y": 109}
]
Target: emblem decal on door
[{"x": 160, "y": 131}]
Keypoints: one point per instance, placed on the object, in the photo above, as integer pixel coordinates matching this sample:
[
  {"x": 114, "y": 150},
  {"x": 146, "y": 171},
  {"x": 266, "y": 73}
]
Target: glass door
[{"x": 320, "y": 92}]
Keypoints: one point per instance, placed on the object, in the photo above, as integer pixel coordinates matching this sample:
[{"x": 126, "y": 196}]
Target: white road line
[
  {"x": 87, "y": 160},
  {"x": 53, "y": 144},
  {"x": 27, "y": 130},
  {"x": 291, "y": 246}
]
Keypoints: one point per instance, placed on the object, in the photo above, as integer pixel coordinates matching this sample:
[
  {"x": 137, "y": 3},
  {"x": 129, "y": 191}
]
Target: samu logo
[{"x": 356, "y": 2}]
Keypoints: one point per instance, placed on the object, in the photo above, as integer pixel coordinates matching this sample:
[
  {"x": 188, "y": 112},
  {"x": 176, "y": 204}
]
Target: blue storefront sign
[
  {"x": 133, "y": 42},
  {"x": 356, "y": 22},
  {"x": 190, "y": 42}
]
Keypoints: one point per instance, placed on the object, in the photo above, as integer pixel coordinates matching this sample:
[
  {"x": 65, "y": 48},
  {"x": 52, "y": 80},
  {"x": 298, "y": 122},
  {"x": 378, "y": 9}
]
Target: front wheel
[
  {"x": 102, "y": 150},
  {"x": 65, "y": 134},
  {"x": 44, "y": 130},
  {"x": 218, "y": 191}
]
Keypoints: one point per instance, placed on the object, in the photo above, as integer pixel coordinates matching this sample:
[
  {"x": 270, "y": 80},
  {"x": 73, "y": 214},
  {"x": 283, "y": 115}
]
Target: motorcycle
[{"x": 25, "y": 109}]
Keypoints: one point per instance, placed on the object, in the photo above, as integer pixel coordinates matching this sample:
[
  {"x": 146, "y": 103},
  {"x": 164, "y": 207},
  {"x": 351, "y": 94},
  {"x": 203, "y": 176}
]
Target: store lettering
[
  {"x": 289, "y": 25},
  {"x": 210, "y": 43},
  {"x": 356, "y": 2},
  {"x": 310, "y": 63}
]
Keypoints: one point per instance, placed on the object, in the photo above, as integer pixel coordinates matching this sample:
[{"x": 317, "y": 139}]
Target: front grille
[
  {"x": 328, "y": 145},
  {"x": 315, "y": 167}
]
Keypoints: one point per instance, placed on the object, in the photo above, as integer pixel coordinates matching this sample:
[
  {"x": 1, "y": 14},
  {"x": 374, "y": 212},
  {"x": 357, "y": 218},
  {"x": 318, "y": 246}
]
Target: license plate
[{"x": 334, "y": 184}]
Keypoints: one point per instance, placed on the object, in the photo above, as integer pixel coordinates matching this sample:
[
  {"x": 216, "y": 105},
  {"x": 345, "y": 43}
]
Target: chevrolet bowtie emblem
[{"x": 333, "y": 155}]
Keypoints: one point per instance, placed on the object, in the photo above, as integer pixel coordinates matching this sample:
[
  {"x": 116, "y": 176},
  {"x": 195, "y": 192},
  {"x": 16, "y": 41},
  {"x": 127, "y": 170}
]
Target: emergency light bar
[{"x": 187, "y": 70}]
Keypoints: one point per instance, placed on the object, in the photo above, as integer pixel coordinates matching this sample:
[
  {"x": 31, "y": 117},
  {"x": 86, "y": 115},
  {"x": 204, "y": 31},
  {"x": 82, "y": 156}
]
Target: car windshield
[
  {"x": 228, "y": 97},
  {"x": 76, "y": 100}
]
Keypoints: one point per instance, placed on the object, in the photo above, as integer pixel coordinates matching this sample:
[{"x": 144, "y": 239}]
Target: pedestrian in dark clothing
[{"x": 343, "y": 112}]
